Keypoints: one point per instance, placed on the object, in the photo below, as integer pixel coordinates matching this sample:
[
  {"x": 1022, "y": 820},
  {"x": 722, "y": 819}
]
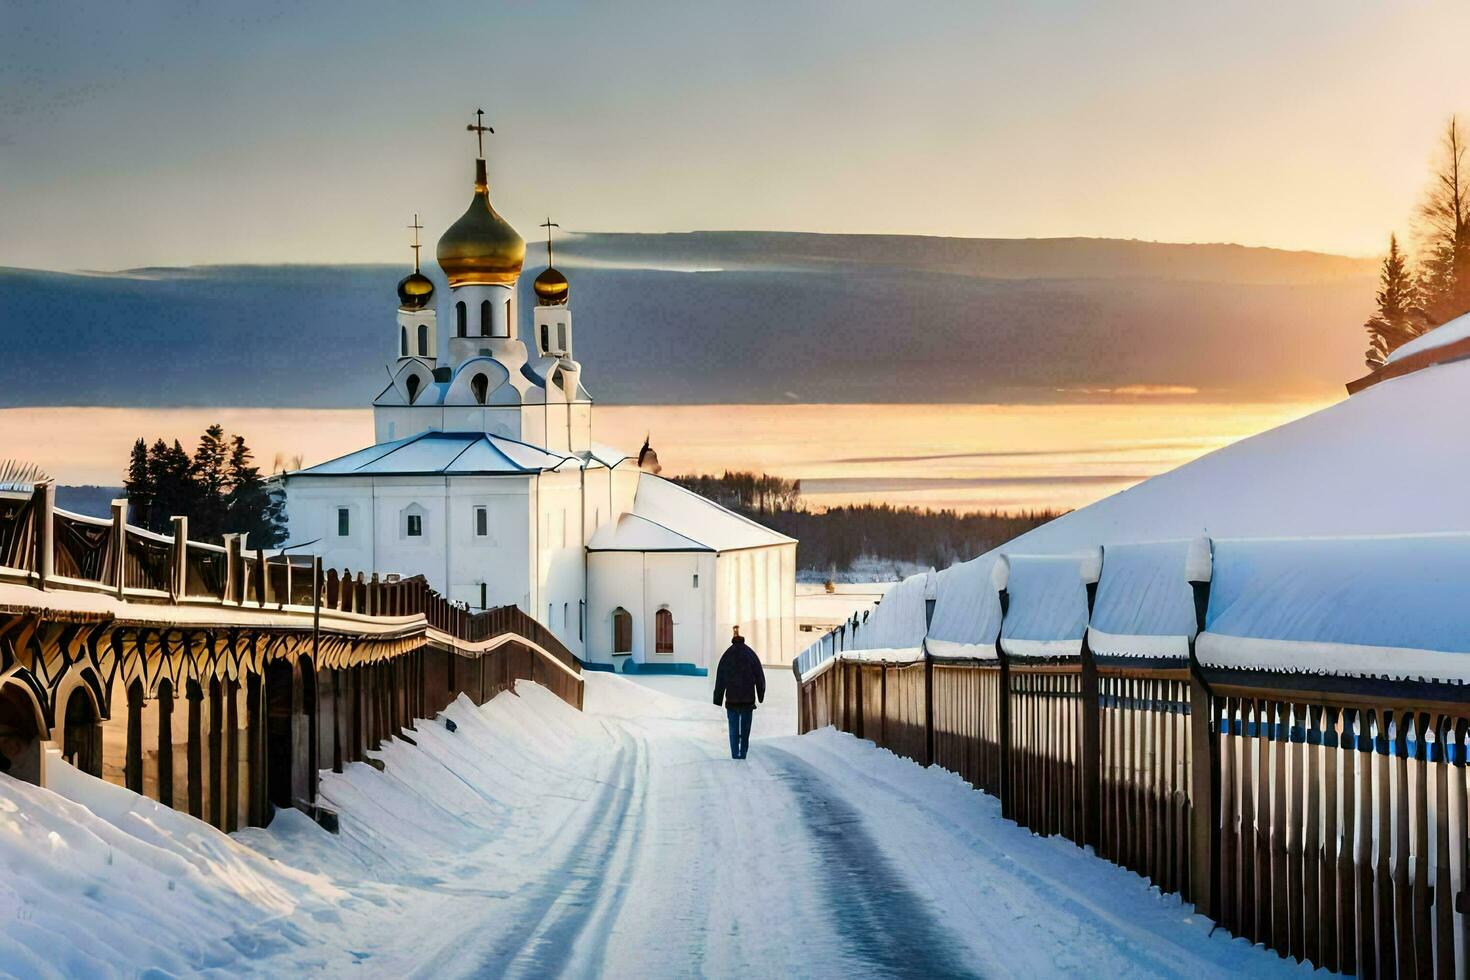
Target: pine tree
[
  {"x": 1399, "y": 319},
  {"x": 210, "y": 473},
  {"x": 139, "y": 486},
  {"x": 252, "y": 507},
  {"x": 174, "y": 489},
  {"x": 1444, "y": 219}
]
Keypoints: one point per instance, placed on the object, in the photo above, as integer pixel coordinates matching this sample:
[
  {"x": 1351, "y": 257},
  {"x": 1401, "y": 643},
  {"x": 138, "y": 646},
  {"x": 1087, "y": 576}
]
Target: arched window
[
  {"x": 461, "y": 320},
  {"x": 413, "y": 387},
  {"x": 507, "y": 319},
  {"x": 480, "y": 385},
  {"x": 663, "y": 632},
  {"x": 561, "y": 337},
  {"x": 486, "y": 327},
  {"x": 423, "y": 340},
  {"x": 545, "y": 338},
  {"x": 403, "y": 342},
  {"x": 622, "y": 631}
]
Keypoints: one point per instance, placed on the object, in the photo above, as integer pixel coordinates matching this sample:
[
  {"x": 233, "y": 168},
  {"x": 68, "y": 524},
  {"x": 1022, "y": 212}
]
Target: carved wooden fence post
[
  {"x": 1091, "y": 717},
  {"x": 178, "y": 583},
  {"x": 930, "y": 600},
  {"x": 1003, "y": 714},
  {"x": 119, "y": 545},
  {"x": 43, "y": 510},
  {"x": 1204, "y": 775}
]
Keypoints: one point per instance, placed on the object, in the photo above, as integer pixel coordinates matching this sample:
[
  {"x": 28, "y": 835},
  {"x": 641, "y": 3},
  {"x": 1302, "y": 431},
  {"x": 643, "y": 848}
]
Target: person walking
[{"x": 740, "y": 682}]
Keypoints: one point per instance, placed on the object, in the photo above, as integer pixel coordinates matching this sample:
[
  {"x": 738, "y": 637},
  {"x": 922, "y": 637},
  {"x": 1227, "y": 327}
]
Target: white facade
[{"x": 484, "y": 480}]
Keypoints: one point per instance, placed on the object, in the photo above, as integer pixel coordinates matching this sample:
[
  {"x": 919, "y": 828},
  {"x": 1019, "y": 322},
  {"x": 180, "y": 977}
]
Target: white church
[{"x": 485, "y": 480}]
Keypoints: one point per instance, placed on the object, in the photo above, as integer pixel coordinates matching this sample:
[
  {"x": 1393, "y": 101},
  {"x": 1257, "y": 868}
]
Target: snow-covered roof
[
  {"x": 687, "y": 513},
  {"x": 966, "y": 611},
  {"x": 901, "y": 624},
  {"x": 443, "y": 453},
  {"x": 1382, "y": 606},
  {"x": 1446, "y": 333},
  {"x": 1047, "y": 612},
  {"x": 633, "y": 533},
  {"x": 1144, "y": 605}
]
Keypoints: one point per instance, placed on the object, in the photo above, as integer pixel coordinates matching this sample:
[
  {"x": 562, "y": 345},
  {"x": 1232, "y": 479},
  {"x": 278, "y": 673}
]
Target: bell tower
[{"x": 417, "y": 336}]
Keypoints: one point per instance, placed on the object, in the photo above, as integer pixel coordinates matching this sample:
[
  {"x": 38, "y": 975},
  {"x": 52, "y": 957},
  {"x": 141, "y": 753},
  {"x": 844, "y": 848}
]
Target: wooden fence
[
  {"x": 283, "y": 668},
  {"x": 1327, "y": 818}
]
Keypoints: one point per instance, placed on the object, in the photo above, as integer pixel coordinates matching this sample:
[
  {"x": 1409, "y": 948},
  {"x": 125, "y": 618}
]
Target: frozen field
[{"x": 536, "y": 841}]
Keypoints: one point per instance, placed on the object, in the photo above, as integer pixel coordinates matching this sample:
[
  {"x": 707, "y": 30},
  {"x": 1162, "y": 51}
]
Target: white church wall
[
  {"x": 685, "y": 583},
  {"x": 681, "y": 582},
  {"x": 581, "y": 426},
  {"x": 500, "y": 558},
  {"x": 624, "y": 488},
  {"x": 311, "y": 515},
  {"x": 597, "y": 509},
  {"x": 560, "y": 556},
  {"x": 614, "y": 580},
  {"x": 397, "y": 501}
]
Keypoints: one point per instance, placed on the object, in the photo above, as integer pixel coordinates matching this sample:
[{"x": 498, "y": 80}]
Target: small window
[
  {"x": 344, "y": 522},
  {"x": 696, "y": 580},
  {"x": 622, "y": 631},
  {"x": 561, "y": 336},
  {"x": 545, "y": 338},
  {"x": 487, "y": 328},
  {"x": 507, "y": 319},
  {"x": 480, "y": 385},
  {"x": 663, "y": 628},
  {"x": 484, "y": 589},
  {"x": 581, "y": 617},
  {"x": 423, "y": 340},
  {"x": 403, "y": 342},
  {"x": 566, "y": 614},
  {"x": 461, "y": 320},
  {"x": 412, "y": 384},
  {"x": 415, "y": 526},
  {"x": 482, "y": 522}
]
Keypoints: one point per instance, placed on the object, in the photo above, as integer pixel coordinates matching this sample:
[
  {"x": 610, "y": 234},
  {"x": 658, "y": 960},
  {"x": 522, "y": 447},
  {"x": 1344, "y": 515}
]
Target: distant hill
[
  {"x": 90, "y": 500},
  {"x": 728, "y": 317}
]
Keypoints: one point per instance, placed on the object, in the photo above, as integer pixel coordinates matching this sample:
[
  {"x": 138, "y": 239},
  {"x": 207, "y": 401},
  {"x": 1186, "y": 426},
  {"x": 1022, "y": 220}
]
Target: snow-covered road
[{"x": 534, "y": 841}]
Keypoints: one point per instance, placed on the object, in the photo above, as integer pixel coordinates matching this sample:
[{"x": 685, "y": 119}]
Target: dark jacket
[{"x": 740, "y": 680}]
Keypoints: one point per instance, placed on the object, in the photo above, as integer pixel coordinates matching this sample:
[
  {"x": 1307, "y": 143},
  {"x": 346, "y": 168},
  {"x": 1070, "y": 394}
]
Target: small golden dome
[
  {"x": 552, "y": 288},
  {"x": 481, "y": 248},
  {"x": 415, "y": 291}
]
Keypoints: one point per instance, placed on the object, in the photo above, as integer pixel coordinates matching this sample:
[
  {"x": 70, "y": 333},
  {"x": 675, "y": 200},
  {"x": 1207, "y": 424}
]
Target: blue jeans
[{"x": 739, "y": 719}]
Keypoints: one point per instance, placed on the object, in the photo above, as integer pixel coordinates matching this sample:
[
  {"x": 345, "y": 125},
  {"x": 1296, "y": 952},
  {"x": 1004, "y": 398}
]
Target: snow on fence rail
[
  {"x": 283, "y": 669},
  {"x": 1277, "y": 729}
]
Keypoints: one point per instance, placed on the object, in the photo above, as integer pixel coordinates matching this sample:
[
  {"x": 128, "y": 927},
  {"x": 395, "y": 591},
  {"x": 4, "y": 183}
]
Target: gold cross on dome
[
  {"x": 548, "y": 224},
  {"x": 479, "y": 128},
  {"x": 416, "y": 246}
]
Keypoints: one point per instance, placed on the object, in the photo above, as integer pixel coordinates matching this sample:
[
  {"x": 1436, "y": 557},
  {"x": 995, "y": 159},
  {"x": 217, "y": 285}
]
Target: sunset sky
[{"x": 180, "y": 133}]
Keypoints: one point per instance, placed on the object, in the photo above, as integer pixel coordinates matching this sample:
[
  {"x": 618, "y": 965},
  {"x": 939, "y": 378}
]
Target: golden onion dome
[
  {"x": 415, "y": 291},
  {"x": 552, "y": 288},
  {"x": 481, "y": 248}
]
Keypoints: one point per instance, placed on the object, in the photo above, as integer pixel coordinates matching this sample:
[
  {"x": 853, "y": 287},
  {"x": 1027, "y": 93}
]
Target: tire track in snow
[
  {"x": 561, "y": 916},
  {"x": 886, "y": 929}
]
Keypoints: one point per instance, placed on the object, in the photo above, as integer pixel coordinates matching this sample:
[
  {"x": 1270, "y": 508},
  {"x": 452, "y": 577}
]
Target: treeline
[
  {"x": 1418, "y": 292},
  {"x": 835, "y": 538},
  {"x": 219, "y": 489}
]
